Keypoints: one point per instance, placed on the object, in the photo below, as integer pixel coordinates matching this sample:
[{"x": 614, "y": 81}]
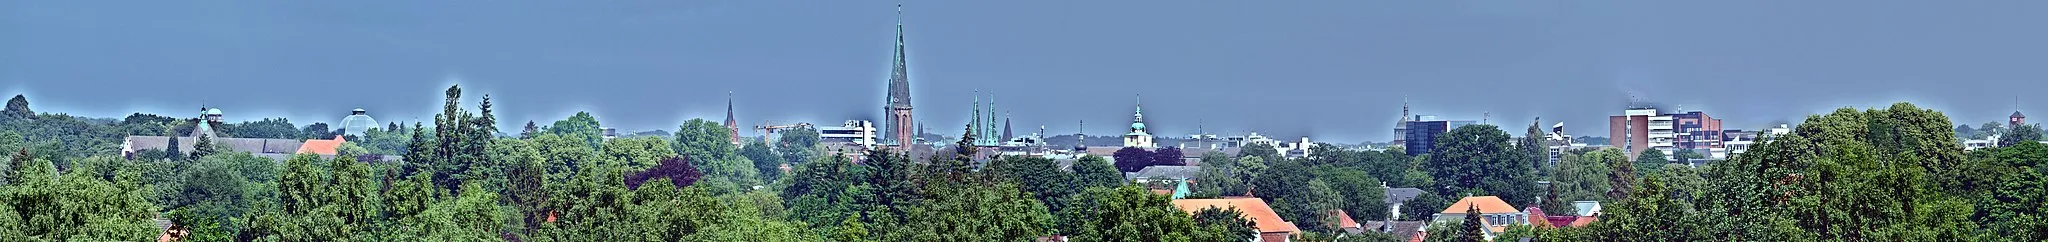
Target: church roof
[{"x": 2016, "y": 114}]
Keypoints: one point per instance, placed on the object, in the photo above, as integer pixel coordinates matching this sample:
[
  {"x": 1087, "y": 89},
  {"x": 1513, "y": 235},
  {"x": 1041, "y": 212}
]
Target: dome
[
  {"x": 213, "y": 111},
  {"x": 1138, "y": 126},
  {"x": 358, "y": 122}
]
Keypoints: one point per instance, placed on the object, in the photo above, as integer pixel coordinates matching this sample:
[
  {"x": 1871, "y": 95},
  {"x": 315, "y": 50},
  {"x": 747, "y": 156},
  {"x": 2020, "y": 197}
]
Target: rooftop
[
  {"x": 1486, "y": 204},
  {"x": 1253, "y": 208}
]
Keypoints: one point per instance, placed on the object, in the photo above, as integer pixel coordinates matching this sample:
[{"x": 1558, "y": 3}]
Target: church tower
[
  {"x": 732, "y": 126},
  {"x": 899, "y": 125},
  {"x": 1138, "y": 137}
]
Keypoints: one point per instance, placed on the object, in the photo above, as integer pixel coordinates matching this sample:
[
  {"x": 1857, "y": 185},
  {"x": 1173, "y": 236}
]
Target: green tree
[
  {"x": 1223, "y": 224},
  {"x": 766, "y": 161},
  {"x": 1648, "y": 162},
  {"x": 1040, "y": 176},
  {"x": 1584, "y": 177},
  {"x": 798, "y": 144},
  {"x": 204, "y": 147},
  {"x": 171, "y": 152},
  {"x": 1477, "y": 157},
  {"x": 1687, "y": 156},
  {"x": 2020, "y": 134},
  {"x": 580, "y": 126},
  {"x": 979, "y": 212},
  {"x": 1093, "y": 171},
  {"x": 73, "y": 206},
  {"x": 1362, "y": 197},
  {"x": 1127, "y": 213},
  {"x": 1471, "y": 230},
  {"x": 17, "y": 108},
  {"x": 709, "y": 145},
  {"x": 637, "y": 153},
  {"x": 1260, "y": 150},
  {"x": 1423, "y": 206}
]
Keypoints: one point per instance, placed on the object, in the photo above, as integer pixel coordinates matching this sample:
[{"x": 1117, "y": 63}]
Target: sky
[{"x": 1335, "y": 70}]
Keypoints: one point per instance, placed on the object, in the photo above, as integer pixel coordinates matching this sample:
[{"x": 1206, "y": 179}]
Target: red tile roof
[
  {"x": 321, "y": 147},
  {"x": 1253, "y": 208},
  {"x": 1487, "y": 205},
  {"x": 1344, "y": 220}
]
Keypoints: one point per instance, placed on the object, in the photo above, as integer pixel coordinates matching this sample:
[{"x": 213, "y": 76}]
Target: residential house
[
  {"x": 1396, "y": 196},
  {"x": 1496, "y": 214},
  {"x": 1271, "y": 227},
  {"x": 322, "y": 147},
  {"x": 1412, "y": 231}
]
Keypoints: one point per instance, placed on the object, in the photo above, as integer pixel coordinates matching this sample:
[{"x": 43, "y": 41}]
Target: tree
[
  {"x": 1471, "y": 230},
  {"x": 2020, "y": 134},
  {"x": 1092, "y": 171},
  {"x": 72, "y": 206},
  {"x": 676, "y": 170},
  {"x": 636, "y": 153},
  {"x": 1223, "y": 224},
  {"x": 580, "y": 126},
  {"x": 1041, "y": 177},
  {"x": 17, "y": 108},
  {"x": 1222, "y": 175},
  {"x": 1650, "y": 160},
  {"x": 171, "y": 152},
  {"x": 1361, "y": 196},
  {"x": 1477, "y": 157},
  {"x": 1168, "y": 156},
  {"x": 1687, "y": 156},
  {"x": 1423, "y": 206},
  {"x": 1966, "y": 132},
  {"x": 1126, "y": 213},
  {"x": 1533, "y": 148},
  {"x": 978, "y": 212},
  {"x": 1132, "y": 159},
  {"x": 318, "y": 131},
  {"x": 709, "y": 146},
  {"x": 797, "y": 145},
  {"x": 530, "y": 130},
  {"x": 204, "y": 147},
  {"x": 766, "y": 161},
  {"x": 1989, "y": 129},
  {"x": 1584, "y": 177},
  {"x": 1260, "y": 150}
]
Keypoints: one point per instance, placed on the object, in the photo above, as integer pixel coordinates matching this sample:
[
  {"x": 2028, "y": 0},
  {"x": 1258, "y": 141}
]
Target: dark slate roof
[
  {"x": 1167, "y": 172},
  {"x": 1400, "y": 229},
  {"x": 255, "y": 146},
  {"x": 2016, "y": 114},
  {"x": 1402, "y": 194}
]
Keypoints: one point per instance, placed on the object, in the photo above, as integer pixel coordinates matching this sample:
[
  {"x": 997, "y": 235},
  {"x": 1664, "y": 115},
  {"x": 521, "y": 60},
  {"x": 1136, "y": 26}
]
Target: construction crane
[{"x": 770, "y": 128}]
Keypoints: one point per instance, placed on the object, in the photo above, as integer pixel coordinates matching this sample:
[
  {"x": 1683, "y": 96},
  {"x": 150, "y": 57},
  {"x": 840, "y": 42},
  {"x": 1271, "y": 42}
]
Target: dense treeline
[
  {"x": 460, "y": 182},
  {"x": 1884, "y": 174},
  {"x": 1893, "y": 174}
]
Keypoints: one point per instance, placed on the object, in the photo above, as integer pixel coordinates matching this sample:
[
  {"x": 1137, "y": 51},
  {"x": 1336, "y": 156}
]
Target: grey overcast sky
[{"x": 1334, "y": 69}]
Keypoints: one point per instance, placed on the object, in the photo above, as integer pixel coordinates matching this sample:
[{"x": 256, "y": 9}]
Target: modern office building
[
  {"x": 1640, "y": 129},
  {"x": 1423, "y": 132},
  {"x": 858, "y": 132}
]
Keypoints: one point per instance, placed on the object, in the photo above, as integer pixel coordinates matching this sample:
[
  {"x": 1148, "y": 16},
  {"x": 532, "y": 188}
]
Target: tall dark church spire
[
  {"x": 731, "y": 125},
  {"x": 899, "y": 123}
]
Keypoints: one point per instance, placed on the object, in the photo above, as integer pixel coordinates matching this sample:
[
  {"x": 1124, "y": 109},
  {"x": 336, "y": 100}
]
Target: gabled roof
[
  {"x": 2016, "y": 114},
  {"x": 1486, "y": 204},
  {"x": 1167, "y": 172},
  {"x": 1402, "y": 194},
  {"x": 321, "y": 147},
  {"x": 1252, "y": 207},
  {"x": 1344, "y": 220}
]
